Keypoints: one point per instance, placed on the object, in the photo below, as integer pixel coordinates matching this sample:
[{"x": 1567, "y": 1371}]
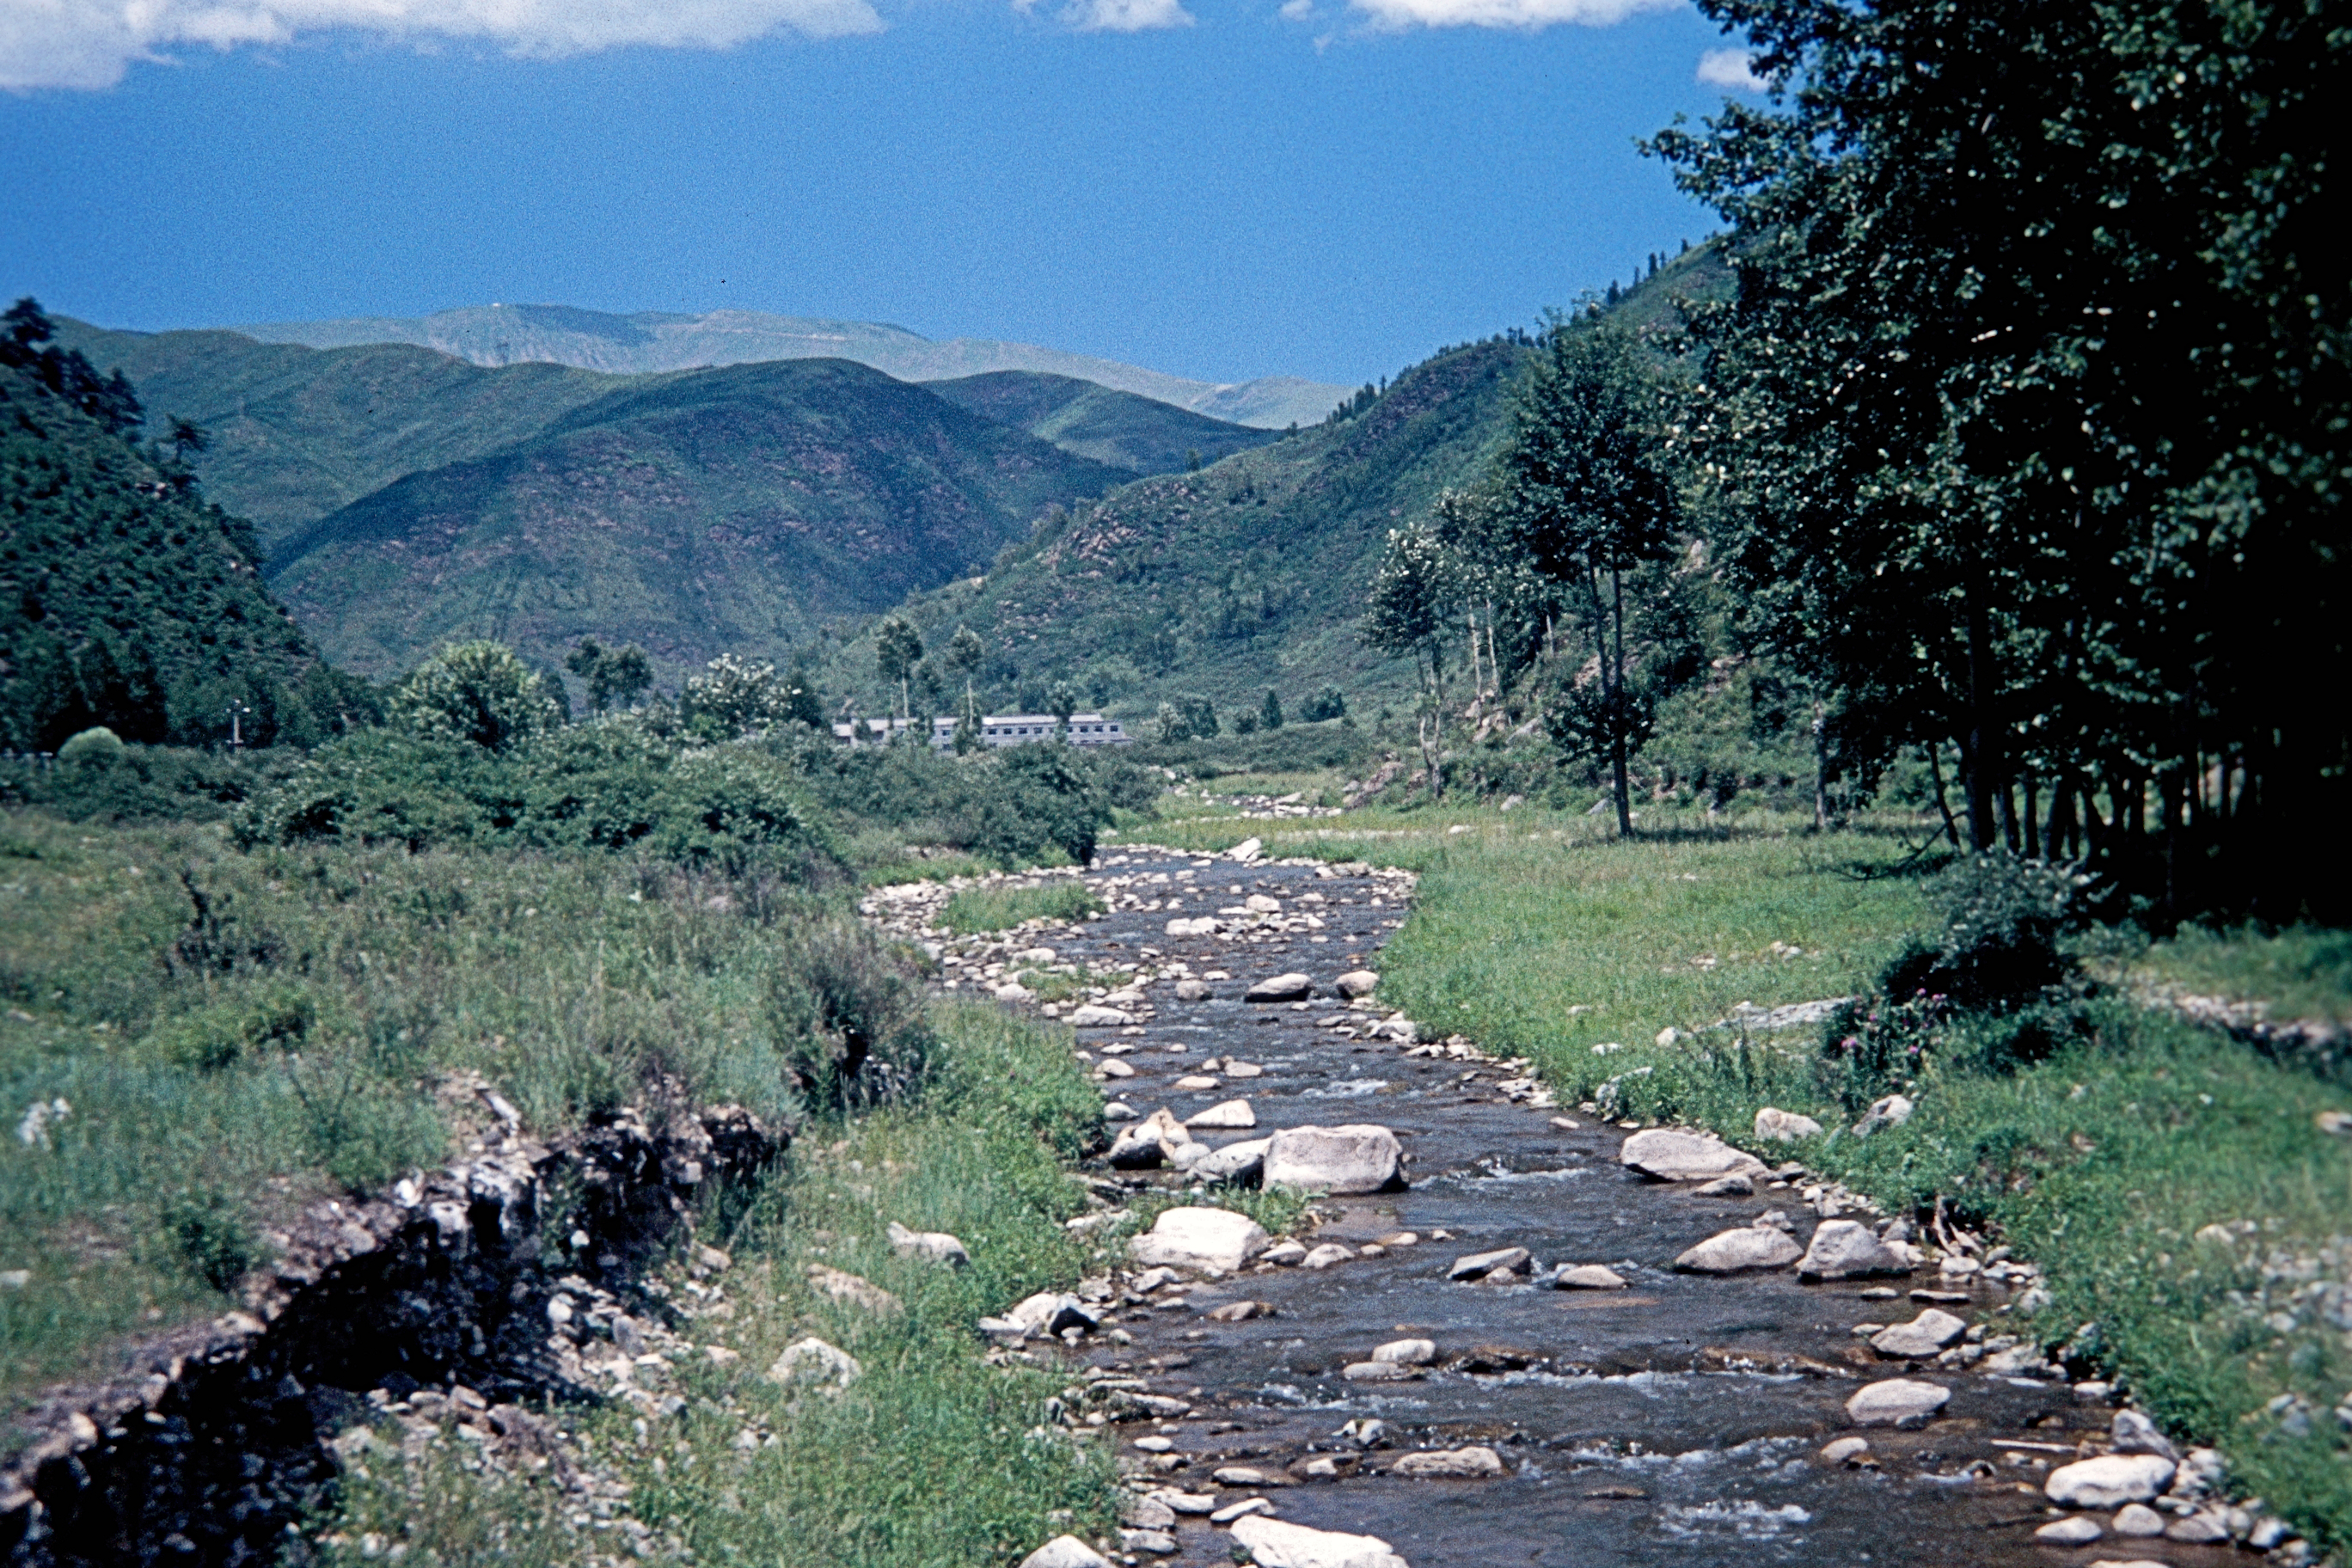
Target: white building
[{"x": 1022, "y": 729}]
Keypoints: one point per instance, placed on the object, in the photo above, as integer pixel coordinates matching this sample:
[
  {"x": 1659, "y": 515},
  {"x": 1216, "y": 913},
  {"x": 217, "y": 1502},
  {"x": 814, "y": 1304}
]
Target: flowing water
[{"x": 1677, "y": 1421}]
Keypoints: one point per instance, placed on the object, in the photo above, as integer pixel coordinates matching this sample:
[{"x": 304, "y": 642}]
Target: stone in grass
[
  {"x": 1277, "y": 1543},
  {"x": 1587, "y": 1277},
  {"x": 1784, "y": 1126},
  {"x": 1451, "y": 1464},
  {"x": 863, "y": 1294},
  {"x": 2075, "y": 1531},
  {"x": 1738, "y": 1251},
  {"x": 1280, "y": 988},
  {"x": 1200, "y": 1238},
  {"x": 1507, "y": 1260},
  {"x": 1672, "y": 1154},
  {"x": 812, "y": 1363},
  {"x": 1922, "y": 1337},
  {"x": 1343, "y": 1161},
  {"x": 1899, "y": 1401},
  {"x": 1843, "y": 1250},
  {"x": 2110, "y": 1480},
  {"x": 935, "y": 1246},
  {"x": 1066, "y": 1551}
]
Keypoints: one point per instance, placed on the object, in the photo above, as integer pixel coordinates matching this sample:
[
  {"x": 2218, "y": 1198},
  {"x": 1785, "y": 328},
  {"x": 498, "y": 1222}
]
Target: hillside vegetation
[
  {"x": 652, "y": 340},
  {"x": 695, "y": 514},
  {"x": 125, "y": 599},
  {"x": 1117, "y": 428}
]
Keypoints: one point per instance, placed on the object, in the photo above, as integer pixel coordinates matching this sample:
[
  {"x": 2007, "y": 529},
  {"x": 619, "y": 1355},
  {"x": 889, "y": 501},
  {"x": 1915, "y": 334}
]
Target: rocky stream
[{"x": 1511, "y": 1332}]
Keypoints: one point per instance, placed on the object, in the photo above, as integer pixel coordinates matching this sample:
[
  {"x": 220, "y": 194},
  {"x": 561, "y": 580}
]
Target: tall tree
[
  {"x": 898, "y": 647},
  {"x": 1585, "y": 487}
]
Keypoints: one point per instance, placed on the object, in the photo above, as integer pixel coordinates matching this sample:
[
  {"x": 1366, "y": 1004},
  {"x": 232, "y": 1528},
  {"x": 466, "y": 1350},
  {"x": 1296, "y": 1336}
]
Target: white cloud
[
  {"x": 1127, "y": 16},
  {"x": 88, "y": 43},
  {"x": 1525, "y": 15},
  {"x": 1730, "y": 68},
  {"x": 1297, "y": 10}
]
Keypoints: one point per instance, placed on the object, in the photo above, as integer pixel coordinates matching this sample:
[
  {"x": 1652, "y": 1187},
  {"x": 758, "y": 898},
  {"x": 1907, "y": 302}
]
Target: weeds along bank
[
  {"x": 2189, "y": 1194},
  {"x": 203, "y": 1043}
]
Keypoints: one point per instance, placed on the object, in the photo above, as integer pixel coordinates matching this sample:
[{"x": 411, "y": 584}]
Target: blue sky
[{"x": 1215, "y": 188}]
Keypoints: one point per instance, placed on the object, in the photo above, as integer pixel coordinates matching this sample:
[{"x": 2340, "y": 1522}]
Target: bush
[
  {"x": 92, "y": 751},
  {"x": 213, "y": 1236},
  {"x": 147, "y": 784},
  {"x": 852, "y": 1022},
  {"x": 479, "y": 692}
]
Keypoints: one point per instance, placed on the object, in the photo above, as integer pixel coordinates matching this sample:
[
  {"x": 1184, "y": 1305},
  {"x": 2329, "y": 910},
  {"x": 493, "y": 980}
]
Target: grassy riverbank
[{"x": 932, "y": 1459}]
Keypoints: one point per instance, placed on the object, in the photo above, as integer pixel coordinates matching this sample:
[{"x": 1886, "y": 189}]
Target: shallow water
[{"x": 1674, "y": 1422}]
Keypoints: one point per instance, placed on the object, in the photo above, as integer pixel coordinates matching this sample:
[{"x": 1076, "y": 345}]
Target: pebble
[{"x": 1784, "y": 1126}]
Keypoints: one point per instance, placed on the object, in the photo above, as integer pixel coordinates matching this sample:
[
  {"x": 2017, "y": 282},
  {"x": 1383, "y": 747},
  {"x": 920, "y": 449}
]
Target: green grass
[
  {"x": 2303, "y": 972},
  {"x": 1001, "y": 909},
  {"x": 2102, "y": 1164},
  {"x": 934, "y": 1459}
]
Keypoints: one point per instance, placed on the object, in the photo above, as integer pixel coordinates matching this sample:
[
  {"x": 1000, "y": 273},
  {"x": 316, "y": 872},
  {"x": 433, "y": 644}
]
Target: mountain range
[{"x": 648, "y": 340}]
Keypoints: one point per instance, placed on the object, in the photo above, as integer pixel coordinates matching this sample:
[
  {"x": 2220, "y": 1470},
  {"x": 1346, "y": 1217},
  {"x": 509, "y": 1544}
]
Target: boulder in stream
[
  {"x": 1898, "y": 1402},
  {"x": 1922, "y": 1337},
  {"x": 1200, "y": 1238},
  {"x": 2110, "y": 1480},
  {"x": 1280, "y": 988},
  {"x": 1452, "y": 1464},
  {"x": 1066, "y": 1551},
  {"x": 1277, "y": 1543},
  {"x": 1354, "y": 1158},
  {"x": 1845, "y": 1249},
  {"x": 1674, "y": 1154},
  {"x": 1738, "y": 1251}
]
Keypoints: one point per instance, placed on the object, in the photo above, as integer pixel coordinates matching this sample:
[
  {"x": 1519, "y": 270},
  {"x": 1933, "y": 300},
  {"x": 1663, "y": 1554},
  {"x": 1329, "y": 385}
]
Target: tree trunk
[
  {"x": 2033, "y": 823},
  {"x": 1936, "y": 771},
  {"x": 1983, "y": 744},
  {"x": 1821, "y": 766},
  {"x": 1617, "y": 709}
]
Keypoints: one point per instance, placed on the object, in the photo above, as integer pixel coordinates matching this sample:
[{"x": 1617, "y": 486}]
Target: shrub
[
  {"x": 851, "y": 1021},
  {"x": 213, "y": 1236},
  {"x": 479, "y": 692},
  {"x": 92, "y": 751}
]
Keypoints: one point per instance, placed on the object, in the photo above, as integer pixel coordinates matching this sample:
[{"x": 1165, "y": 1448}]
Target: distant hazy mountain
[
  {"x": 1138, "y": 434},
  {"x": 734, "y": 510},
  {"x": 657, "y": 340}
]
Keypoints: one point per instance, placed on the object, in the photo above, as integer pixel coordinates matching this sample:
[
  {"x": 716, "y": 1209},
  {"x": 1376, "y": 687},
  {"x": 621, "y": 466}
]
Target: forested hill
[
  {"x": 1248, "y": 574},
  {"x": 1137, "y": 433},
  {"x": 707, "y": 511},
  {"x": 125, "y": 599},
  {"x": 296, "y": 433}
]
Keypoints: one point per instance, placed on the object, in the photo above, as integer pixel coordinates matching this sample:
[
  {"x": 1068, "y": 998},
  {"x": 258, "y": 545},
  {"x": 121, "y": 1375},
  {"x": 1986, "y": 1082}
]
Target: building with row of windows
[{"x": 995, "y": 729}]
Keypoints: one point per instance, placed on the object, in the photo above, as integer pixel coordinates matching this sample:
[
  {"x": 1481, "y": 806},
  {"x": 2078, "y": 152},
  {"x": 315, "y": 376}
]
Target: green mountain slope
[
  {"x": 652, "y": 340},
  {"x": 1117, "y": 428},
  {"x": 125, "y": 600},
  {"x": 1253, "y": 572},
  {"x": 733, "y": 509},
  {"x": 298, "y": 433},
  {"x": 1246, "y": 574}
]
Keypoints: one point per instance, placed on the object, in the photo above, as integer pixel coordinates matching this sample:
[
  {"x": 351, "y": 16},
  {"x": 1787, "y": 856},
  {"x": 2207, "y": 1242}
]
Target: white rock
[
  {"x": 1671, "y": 1154},
  {"x": 2133, "y": 1433},
  {"x": 1240, "y": 1163},
  {"x": 1844, "y": 1249},
  {"x": 1452, "y": 1464},
  {"x": 1200, "y": 1238},
  {"x": 1844, "y": 1448},
  {"x": 1922, "y": 1337},
  {"x": 1735, "y": 1251},
  {"x": 1291, "y": 987},
  {"x": 1190, "y": 990},
  {"x": 1259, "y": 904},
  {"x": 1066, "y": 1551},
  {"x": 1587, "y": 1277},
  {"x": 1275, "y": 1544},
  {"x": 1048, "y": 1313},
  {"x": 1478, "y": 1265},
  {"x": 1784, "y": 1126},
  {"x": 1158, "y": 1543},
  {"x": 1198, "y": 925},
  {"x": 1034, "y": 955},
  {"x": 1893, "y": 1111},
  {"x": 1380, "y": 1372},
  {"x": 2202, "y": 1529},
  {"x": 1326, "y": 1255},
  {"x": 1358, "y": 1158},
  {"x": 2110, "y": 1480},
  {"x": 813, "y": 1363},
  {"x": 1738, "y": 1184},
  {"x": 1898, "y": 1402},
  {"x": 1230, "y": 1114},
  {"x": 1411, "y": 1352},
  {"x": 1012, "y": 991},
  {"x": 1285, "y": 1252},
  {"x": 1248, "y": 850},
  {"x": 2075, "y": 1531},
  {"x": 1357, "y": 983},
  {"x": 2137, "y": 1519},
  {"x": 1094, "y": 1016},
  {"x": 936, "y": 1246}
]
